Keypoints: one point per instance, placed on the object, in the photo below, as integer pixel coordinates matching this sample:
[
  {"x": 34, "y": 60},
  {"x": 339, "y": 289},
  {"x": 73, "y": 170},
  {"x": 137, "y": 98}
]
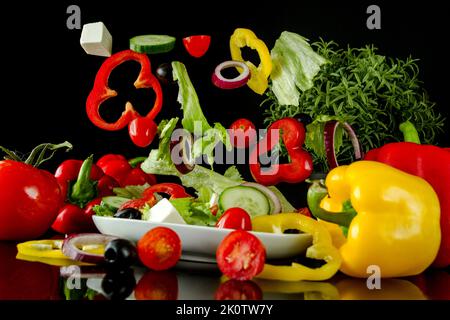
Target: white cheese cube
[
  {"x": 164, "y": 211},
  {"x": 96, "y": 39}
]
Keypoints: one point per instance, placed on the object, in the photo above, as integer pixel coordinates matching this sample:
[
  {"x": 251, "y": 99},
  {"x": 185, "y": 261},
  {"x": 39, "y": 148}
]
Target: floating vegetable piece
[
  {"x": 96, "y": 39},
  {"x": 152, "y": 43},
  {"x": 390, "y": 207},
  {"x": 224, "y": 83},
  {"x": 299, "y": 168},
  {"x": 197, "y": 46},
  {"x": 321, "y": 248},
  {"x": 428, "y": 162},
  {"x": 242, "y": 133},
  {"x": 259, "y": 74},
  {"x": 142, "y": 129},
  {"x": 329, "y": 139}
]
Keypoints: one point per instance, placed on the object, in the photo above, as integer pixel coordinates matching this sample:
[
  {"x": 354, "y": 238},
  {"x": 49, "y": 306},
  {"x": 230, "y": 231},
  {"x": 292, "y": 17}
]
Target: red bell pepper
[
  {"x": 125, "y": 172},
  {"x": 299, "y": 168},
  {"x": 174, "y": 190},
  {"x": 83, "y": 184},
  {"x": 428, "y": 162},
  {"x": 142, "y": 129}
]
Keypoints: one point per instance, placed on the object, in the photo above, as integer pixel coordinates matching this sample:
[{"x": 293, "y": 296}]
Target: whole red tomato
[
  {"x": 235, "y": 218},
  {"x": 242, "y": 133},
  {"x": 30, "y": 200}
]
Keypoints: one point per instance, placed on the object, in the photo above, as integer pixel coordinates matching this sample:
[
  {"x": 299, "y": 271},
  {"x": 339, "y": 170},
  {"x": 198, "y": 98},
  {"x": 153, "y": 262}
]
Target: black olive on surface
[{"x": 120, "y": 253}]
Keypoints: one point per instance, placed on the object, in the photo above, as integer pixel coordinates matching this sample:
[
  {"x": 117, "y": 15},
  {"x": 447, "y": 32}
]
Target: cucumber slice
[
  {"x": 114, "y": 202},
  {"x": 152, "y": 43},
  {"x": 248, "y": 198}
]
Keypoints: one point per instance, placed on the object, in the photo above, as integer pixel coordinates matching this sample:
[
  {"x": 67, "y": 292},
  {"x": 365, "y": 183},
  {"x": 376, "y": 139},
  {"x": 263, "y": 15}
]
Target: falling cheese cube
[
  {"x": 96, "y": 39},
  {"x": 164, "y": 211}
]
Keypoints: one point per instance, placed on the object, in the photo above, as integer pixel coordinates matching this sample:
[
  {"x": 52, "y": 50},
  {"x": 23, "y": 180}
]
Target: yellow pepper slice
[
  {"x": 321, "y": 248},
  {"x": 42, "y": 249},
  {"x": 242, "y": 37}
]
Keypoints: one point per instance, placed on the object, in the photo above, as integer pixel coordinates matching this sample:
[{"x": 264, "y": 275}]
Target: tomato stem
[{"x": 37, "y": 155}]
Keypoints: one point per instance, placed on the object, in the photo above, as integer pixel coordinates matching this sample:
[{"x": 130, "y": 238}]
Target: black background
[{"x": 47, "y": 75}]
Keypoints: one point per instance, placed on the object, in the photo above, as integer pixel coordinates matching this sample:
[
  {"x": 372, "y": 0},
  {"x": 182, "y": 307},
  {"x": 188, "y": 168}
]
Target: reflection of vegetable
[
  {"x": 157, "y": 285},
  {"x": 29, "y": 197},
  {"x": 430, "y": 163},
  {"x": 141, "y": 129},
  {"x": 242, "y": 133},
  {"x": 118, "y": 167},
  {"x": 259, "y": 74},
  {"x": 238, "y": 290},
  {"x": 235, "y": 218},
  {"x": 374, "y": 94},
  {"x": 299, "y": 168},
  {"x": 225, "y": 83},
  {"x": 392, "y": 207},
  {"x": 240, "y": 255},
  {"x": 321, "y": 248},
  {"x": 197, "y": 45},
  {"x": 118, "y": 284},
  {"x": 159, "y": 248}
]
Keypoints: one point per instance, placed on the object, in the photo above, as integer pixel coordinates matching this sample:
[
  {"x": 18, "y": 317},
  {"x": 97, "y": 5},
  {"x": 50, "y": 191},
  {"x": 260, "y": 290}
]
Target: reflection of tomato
[
  {"x": 238, "y": 290},
  {"x": 24, "y": 280},
  {"x": 434, "y": 283},
  {"x": 157, "y": 285}
]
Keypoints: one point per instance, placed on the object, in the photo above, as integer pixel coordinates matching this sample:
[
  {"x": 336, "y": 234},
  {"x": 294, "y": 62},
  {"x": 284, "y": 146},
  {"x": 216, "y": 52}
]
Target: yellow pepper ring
[
  {"x": 321, "y": 248},
  {"x": 241, "y": 37}
]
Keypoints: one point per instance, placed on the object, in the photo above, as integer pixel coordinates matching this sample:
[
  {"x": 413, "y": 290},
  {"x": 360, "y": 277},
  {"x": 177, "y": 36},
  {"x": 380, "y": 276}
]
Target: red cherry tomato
[
  {"x": 157, "y": 285},
  {"x": 142, "y": 131},
  {"x": 197, "y": 46},
  {"x": 117, "y": 168},
  {"x": 241, "y": 255},
  {"x": 159, "y": 249},
  {"x": 30, "y": 199},
  {"x": 242, "y": 133},
  {"x": 235, "y": 218},
  {"x": 238, "y": 290},
  {"x": 109, "y": 157}
]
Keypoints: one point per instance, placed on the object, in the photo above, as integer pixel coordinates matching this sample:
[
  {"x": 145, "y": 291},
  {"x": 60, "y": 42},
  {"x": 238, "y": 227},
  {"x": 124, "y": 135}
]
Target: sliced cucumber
[
  {"x": 114, "y": 202},
  {"x": 152, "y": 43},
  {"x": 248, "y": 198}
]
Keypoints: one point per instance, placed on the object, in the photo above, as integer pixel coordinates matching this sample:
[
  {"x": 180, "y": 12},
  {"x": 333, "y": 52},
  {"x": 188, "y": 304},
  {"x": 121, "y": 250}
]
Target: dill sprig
[{"x": 372, "y": 92}]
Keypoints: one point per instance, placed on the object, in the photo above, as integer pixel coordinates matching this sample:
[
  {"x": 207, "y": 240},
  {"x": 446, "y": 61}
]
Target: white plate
[{"x": 200, "y": 243}]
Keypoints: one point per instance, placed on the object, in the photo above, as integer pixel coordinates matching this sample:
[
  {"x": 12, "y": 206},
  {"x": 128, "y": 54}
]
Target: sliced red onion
[
  {"x": 220, "y": 81},
  {"x": 181, "y": 152},
  {"x": 329, "y": 136},
  {"x": 276, "y": 204},
  {"x": 72, "y": 246}
]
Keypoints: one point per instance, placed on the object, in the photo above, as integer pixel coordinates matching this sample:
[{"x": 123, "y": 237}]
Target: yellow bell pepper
[
  {"x": 50, "y": 249},
  {"x": 241, "y": 37},
  {"x": 321, "y": 248},
  {"x": 392, "y": 218}
]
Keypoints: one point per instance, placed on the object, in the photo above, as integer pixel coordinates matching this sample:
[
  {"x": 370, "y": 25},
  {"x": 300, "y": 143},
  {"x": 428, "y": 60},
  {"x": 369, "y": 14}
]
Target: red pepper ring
[
  {"x": 101, "y": 91},
  {"x": 300, "y": 167}
]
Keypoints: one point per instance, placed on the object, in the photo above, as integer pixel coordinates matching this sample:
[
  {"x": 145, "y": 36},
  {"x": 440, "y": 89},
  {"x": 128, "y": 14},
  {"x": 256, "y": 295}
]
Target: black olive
[
  {"x": 164, "y": 73},
  {"x": 291, "y": 231},
  {"x": 304, "y": 118},
  {"x": 118, "y": 284},
  {"x": 128, "y": 213},
  {"x": 120, "y": 253}
]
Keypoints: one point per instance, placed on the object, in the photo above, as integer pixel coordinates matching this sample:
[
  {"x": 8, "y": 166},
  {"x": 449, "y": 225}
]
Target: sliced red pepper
[
  {"x": 299, "y": 168},
  {"x": 172, "y": 189},
  {"x": 141, "y": 128}
]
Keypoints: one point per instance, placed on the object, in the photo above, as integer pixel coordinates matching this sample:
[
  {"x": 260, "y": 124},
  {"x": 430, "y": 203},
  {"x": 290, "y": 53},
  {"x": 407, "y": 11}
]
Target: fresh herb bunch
[{"x": 371, "y": 92}]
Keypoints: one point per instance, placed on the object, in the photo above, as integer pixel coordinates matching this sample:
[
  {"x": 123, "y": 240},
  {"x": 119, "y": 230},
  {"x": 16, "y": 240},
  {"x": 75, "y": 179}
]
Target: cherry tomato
[
  {"x": 242, "y": 133},
  {"x": 72, "y": 219},
  {"x": 137, "y": 177},
  {"x": 241, "y": 255},
  {"x": 142, "y": 131},
  {"x": 235, "y": 218},
  {"x": 30, "y": 199},
  {"x": 114, "y": 166},
  {"x": 238, "y": 290},
  {"x": 109, "y": 157},
  {"x": 197, "y": 46},
  {"x": 157, "y": 285},
  {"x": 159, "y": 249},
  {"x": 173, "y": 189}
]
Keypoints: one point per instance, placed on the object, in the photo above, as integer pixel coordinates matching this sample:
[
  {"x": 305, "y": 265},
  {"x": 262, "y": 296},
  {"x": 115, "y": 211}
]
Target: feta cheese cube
[
  {"x": 164, "y": 211},
  {"x": 96, "y": 39}
]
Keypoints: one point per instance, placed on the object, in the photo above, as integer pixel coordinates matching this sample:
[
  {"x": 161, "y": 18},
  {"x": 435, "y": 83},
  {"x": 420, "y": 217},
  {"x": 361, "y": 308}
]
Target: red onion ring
[
  {"x": 329, "y": 136},
  {"x": 269, "y": 193},
  {"x": 220, "y": 81},
  {"x": 183, "y": 159},
  {"x": 72, "y": 244}
]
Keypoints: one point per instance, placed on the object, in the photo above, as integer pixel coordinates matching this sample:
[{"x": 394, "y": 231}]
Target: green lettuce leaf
[
  {"x": 131, "y": 192},
  {"x": 194, "y": 212},
  {"x": 295, "y": 64}
]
